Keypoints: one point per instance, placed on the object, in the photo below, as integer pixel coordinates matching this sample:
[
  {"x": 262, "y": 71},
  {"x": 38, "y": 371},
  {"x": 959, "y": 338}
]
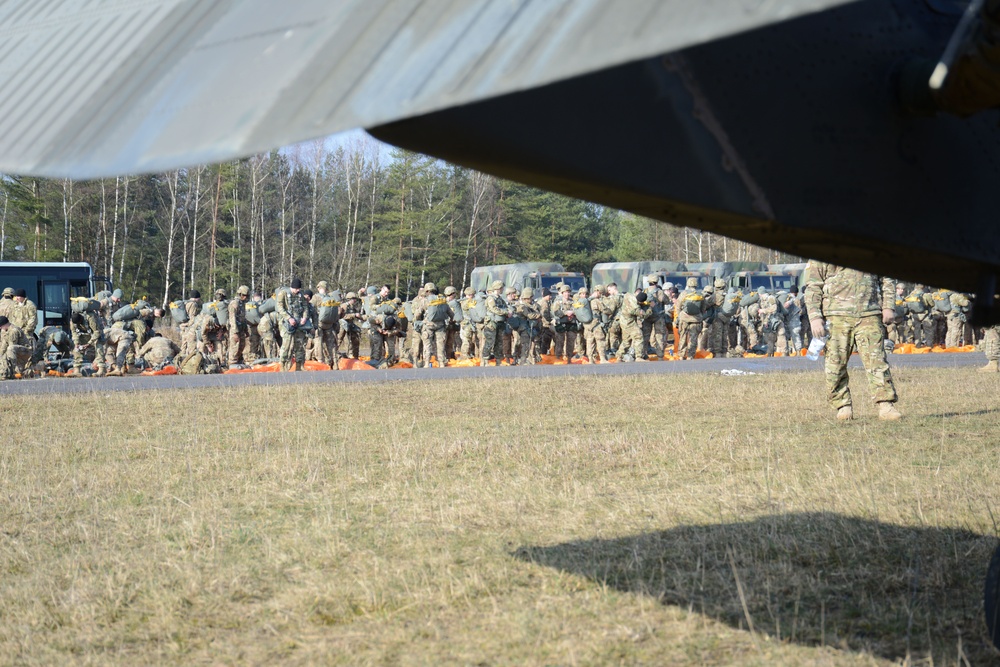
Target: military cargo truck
[
  {"x": 539, "y": 276},
  {"x": 629, "y": 275}
]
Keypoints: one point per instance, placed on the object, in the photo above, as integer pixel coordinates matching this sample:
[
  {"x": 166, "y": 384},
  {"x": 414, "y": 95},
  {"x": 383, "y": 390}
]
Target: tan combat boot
[
  {"x": 845, "y": 413},
  {"x": 101, "y": 372},
  {"x": 888, "y": 411},
  {"x": 115, "y": 372},
  {"x": 990, "y": 367}
]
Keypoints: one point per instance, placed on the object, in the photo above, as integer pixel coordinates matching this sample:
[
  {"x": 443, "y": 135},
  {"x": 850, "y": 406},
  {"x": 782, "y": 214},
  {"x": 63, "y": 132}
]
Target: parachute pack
[
  {"x": 178, "y": 313},
  {"x": 583, "y": 312},
  {"x": 82, "y": 304},
  {"x": 915, "y": 303},
  {"x": 126, "y": 313},
  {"x": 942, "y": 302},
  {"x": 252, "y": 309},
  {"x": 731, "y": 304},
  {"x": 457, "y": 314},
  {"x": 328, "y": 313},
  {"x": 217, "y": 309},
  {"x": 437, "y": 311},
  {"x": 692, "y": 303}
]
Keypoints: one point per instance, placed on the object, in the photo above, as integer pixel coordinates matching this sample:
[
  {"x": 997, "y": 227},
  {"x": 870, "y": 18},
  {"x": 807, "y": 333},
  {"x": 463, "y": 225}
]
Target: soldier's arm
[
  {"x": 281, "y": 305},
  {"x": 145, "y": 348},
  {"x": 888, "y": 294},
  {"x": 815, "y": 276}
]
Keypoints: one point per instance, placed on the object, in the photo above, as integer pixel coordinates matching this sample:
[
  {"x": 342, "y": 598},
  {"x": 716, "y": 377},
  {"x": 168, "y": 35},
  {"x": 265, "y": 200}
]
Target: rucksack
[
  {"x": 437, "y": 311},
  {"x": 915, "y": 303},
  {"x": 584, "y": 313},
  {"x": 479, "y": 308},
  {"x": 125, "y": 314},
  {"x": 731, "y": 304},
  {"x": 178, "y": 313},
  {"x": 942, "y": 302},
  {"x": 749, "y": 299},
  {"x": 83, "y": 304},
  {"x": 217, "y": 309},
  {"x": 328, "y": 313},
  {"x": 191, "y": 365},
  {"x": 457, "y": 314},
  {"x": 252, "y": 309},
  {"x": 692, "y": 303}
]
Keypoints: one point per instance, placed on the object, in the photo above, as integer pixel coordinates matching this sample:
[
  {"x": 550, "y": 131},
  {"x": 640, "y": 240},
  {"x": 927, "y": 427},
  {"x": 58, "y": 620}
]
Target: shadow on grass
[
  {"x": 813, "y": 579},
  {"x": 974, "y": 413}
]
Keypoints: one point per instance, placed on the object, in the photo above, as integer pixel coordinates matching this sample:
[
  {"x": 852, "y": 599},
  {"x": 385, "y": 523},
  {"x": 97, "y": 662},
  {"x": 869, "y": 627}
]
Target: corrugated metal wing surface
[{"x": 93, "y": 88}]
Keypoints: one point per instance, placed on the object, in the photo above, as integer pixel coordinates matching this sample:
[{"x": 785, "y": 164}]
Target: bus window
[{"x": 55, "y": 301}]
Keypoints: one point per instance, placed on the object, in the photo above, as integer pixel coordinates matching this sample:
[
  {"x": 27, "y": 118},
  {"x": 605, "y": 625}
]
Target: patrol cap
[
  {"x": 243, "y": 290},
  {"x": 8, "y": 291},
  {"x": 496, "y": 284},
  {"x": 692, "y": 282},
  {"x": 117, "y": 294},
  {"x": 322, "y": 285},
  {"x": 4, "y": 321},
  {"x": 430, "y": 287},
  {"x": 527, "y": 293},
  {"x": 449, "y": 290},
  {"x": 351, "y": 295},
  {"x": 469, "y": 291},
  {"x": 719, "y": 283}
]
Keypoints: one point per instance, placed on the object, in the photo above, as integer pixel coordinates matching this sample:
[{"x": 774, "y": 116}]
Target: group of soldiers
[{"x": 501, "y": 325}]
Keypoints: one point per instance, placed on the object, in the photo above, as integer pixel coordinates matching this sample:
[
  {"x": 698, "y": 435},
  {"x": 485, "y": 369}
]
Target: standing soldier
[
  {"x": 717, "y": 332},
  {"x": 23, "y": 314},
  {"x": 296, "y": 318},
  {"x": 635, "y": 311},
  {"x": 511, "y": 332},
  {"x": 547, "y": 333},
  {"x": 496, "y": 320},
  {"x": 593, "y": 331},
  {"x": 655, "y": 329},
  {"x": 6, "y": 301},
  {"x": 253, "y": 349},
  {"x": 380, "y": 327},
  {"x": 772, "y": 325},
  {"x": 691, "y": 309},
  {"x": 436, "y": 315},
  {"x": 851, "y": 302},
  {"x": 612, "y": 323},
  {"x": 15, "y": 349},
  {"x": 88, "y": 335},
  {"x": 417, "y": 307},
  {"x": 453, "y": 342},
  {"x": 238, "y": 325},
  {"x": 468, "y": 333},
  {"x": 350, "y": 329},
  {"x": 189, "y": 332},
  {"x": 325, "y": 335},
  {"x": 528, "y": 312},
  {"x": 921, "y": 321},
  {"x": 564, "y": 322},
  {"x": 793, "y": 319}
]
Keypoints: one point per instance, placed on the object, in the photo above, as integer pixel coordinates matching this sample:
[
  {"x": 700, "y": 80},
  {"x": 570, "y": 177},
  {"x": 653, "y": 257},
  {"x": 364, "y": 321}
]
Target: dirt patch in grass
[{"x": 689, "y": 520}]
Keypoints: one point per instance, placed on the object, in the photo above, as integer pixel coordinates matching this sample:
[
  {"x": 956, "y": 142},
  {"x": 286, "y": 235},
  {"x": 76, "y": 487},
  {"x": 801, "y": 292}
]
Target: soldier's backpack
[
  {"x": 457, "y": 314},
  {"x": 731, "y": 304},
  {"x": 82, "y": 304},
  {"x": 217, "y": 309},
  {"x": 692, "y": 303},
  {"x": 126, "y": 313},
  {"x": 583, "y": 312},
  {"x": 900, "y": 309},
  {"x": 328, "y": 313},
  {"x": 252, "y": 309},
  {"x": 478, "y": 313},
  {"x": 437, "y": 311},
  {"x": 501, "y": 305},
  {"x": 385, "y": 308},
  {"x": 178, "y": 313},
  {"x": 191, "y": 364},
  {"x": 915, "y": 303},
  {"x": 749, "y": 299},
  {"x": 942, "y": 302},
  {"x": 267, "y": 306}
]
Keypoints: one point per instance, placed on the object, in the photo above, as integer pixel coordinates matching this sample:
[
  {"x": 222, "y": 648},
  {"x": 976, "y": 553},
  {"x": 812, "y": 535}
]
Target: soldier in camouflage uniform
[
  {"x": 547, "y": 332},
  {"x": 49, "y": 337},
  {"x": 564, "y": 322},
  {"x": 119, "y": 343},
  {"x": 957, "y": 320},
  {"x": 691, "y": 308},
  {"x": 716, "y": 333},
  {"x": 654, "y": 330},
  {"x": 158, "y": 352},
  {"x": 324, "y": 343},
  {"x": 380, "y": 328},
  {"x": 852, "y": 303},
  {"x": 238, "y": 329},
  {"x": 613, "y": 324},
  {"x": 467, "y": 332},
  {"x": 23, "y": 313},
  {"x": 435, "y": 315},
  {"x": 531, "y": 315},
  {"x": 793, "y": 319},
  {"x": 920, "y": 319},
  {"x": 15, "y": 349},
  {"x": 350, "y": 327},
  {"x": 88, "y": 335},
  {"x": 453, "y": 342},
  {"x": 991, "y": 346},
  {"x": 189, "y": 332},
  {"x": 270, "y": 336},
  {"x": 772, "y": 325},
  {"x": 496, "y": 320},
  {"x": 296, "y": 317},
  {"x": 593, "y": 332},
  {"x": 635, "y": 311},
  {"x": 6, "y": 301},
  {"x": 417, "y": 306}
]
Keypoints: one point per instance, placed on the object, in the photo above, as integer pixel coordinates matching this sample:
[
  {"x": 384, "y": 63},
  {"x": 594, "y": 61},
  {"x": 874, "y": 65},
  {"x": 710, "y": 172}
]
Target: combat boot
[
  {"x": 101, "y": 372},
  {"x": 990, "y": 367},
  {"x": 888, "y": 411},
  {"x": 846, "y": 413},
  {"x": 115, "y": 372}
]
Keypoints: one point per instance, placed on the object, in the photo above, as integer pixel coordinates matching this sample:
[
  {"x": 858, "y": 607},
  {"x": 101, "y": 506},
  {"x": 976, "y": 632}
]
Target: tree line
[{"x": 352, "y": 215}]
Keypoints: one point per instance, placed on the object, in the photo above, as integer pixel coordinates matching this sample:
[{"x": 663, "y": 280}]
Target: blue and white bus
[{"x": 50, "y": 285}]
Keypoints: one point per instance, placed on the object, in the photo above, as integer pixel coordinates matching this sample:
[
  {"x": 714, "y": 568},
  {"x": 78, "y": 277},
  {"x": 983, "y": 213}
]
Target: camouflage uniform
[
  {"x": 253, "y": 348},
  {"x": 238, "y": 329},
  {"x": 612, "y": 317},
  {"x": 189, "y": 332},
  {"x": 939, "y": 306},
  {"x": 991, "y": 346},
  {"x": 350, "y": 328},
  {"x": 634, "y": 312},
  {"x": 717, "y": 340},
  {"x": 270, "y": 335},
  {"x": 564, "y": 322},
  {"x": 772, "y": 325},
  {"x": 24, "y": 315},
  {"x": 689, "y": 323},
  {"x": 453, "y": 342},
  {"x": 380, "y": 328},
  {"x": 6, "y": 301},
  {"x": 593, "y": 332},
  {"x": 293, "y": 305},
  {"x": 920, "y": 317},
  {"x": 119, "y": 344},
  {"x": 15, "y": 351},
  {"x": 324, "y": 343},
  {"x": 654, "y": 331},
  {"x": 158, "y": 352},
  {"x": 87, "y": 333},
  {"x": 433, "y": 334},
  {"x": 529, "y": 312},
  {"x": 467, "y": 331},
  {"x": 512, "y": 331},
  {"x": 852, "y": 303},
  {"x": 793, "y": 321},
  {"x": 51, "y": 336},
  {"x": 547, "y": 333},
  {"x": 957, "y": 320},
  {"x": 496, "y": 320}
]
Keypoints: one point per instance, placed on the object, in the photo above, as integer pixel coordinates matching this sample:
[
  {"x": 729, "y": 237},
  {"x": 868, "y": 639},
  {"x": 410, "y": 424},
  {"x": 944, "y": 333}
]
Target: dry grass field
[{"x": 623, "y": 520}]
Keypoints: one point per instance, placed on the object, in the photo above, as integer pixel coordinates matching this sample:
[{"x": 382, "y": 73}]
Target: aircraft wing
[{"x": 98, "y": 88}]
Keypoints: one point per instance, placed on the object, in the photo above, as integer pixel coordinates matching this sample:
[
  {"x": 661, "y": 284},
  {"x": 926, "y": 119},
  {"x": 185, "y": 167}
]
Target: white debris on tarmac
[{"x": 733, "y": 372}]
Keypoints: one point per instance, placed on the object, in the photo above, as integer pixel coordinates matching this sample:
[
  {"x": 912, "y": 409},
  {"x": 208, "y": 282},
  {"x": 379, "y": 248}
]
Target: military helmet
[
  {"x": 651, "y": 279},
  {"x": 527, "y": 293},
  {"x": 720, "y": 283},
  {"x": 243, "y": 290},
  {"x": 430, "y": 287},
  {"x": 692, "y": 282},
  {"x": 449, "y": 290},
  {"x": 220, "y": 293},
  {"x": 322, "y": 285},
  {"x": 469, "y": 291},
  {"x": 351, "y": 295},
  {"x": 511, "y": 290},
  {"x": 709, "y": 289},
  {"x": 668, "y": 285},
  {"x": 563, "y": 287},
  {"x": 598, "y": 287},
  {"x": 8, "y": 291},
  {"x": 496, "y": 284}
]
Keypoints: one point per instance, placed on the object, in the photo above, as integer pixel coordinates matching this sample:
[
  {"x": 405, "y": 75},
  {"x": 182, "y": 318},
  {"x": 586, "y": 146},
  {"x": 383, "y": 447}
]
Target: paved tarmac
[{"x": 712, "y": 366}]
